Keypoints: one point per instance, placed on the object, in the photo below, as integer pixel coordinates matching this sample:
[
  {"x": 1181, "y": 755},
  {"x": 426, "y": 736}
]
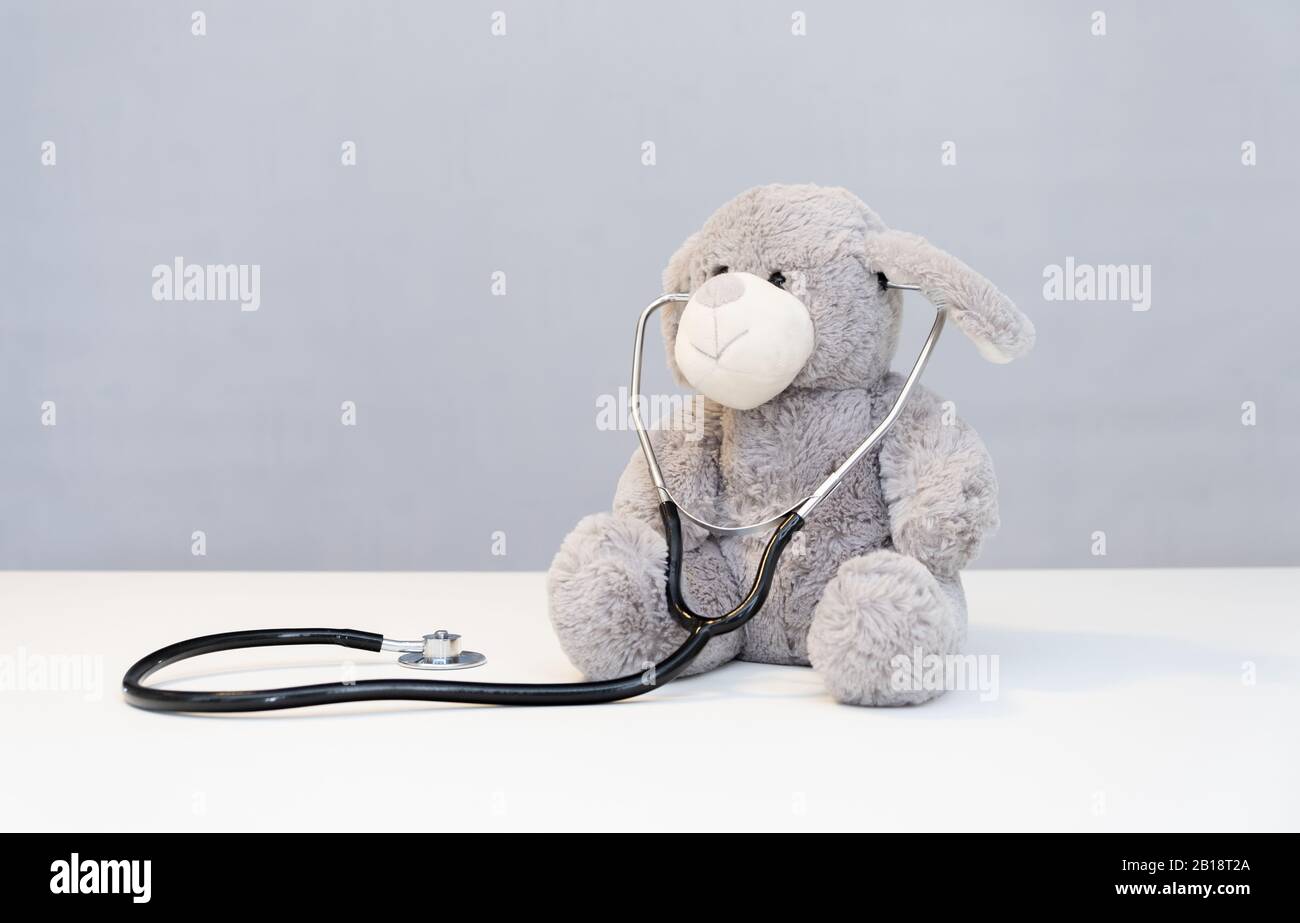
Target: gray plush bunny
[{"x": 789, "y": 335}]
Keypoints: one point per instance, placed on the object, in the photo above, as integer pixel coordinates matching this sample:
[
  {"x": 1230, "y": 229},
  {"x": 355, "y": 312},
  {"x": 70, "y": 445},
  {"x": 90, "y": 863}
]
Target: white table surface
[{"x": 1124, "y": 704}]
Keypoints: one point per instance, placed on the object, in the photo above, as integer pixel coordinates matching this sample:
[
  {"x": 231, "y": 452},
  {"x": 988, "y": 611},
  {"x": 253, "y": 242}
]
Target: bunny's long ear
[{"x": 983, "y": 313}]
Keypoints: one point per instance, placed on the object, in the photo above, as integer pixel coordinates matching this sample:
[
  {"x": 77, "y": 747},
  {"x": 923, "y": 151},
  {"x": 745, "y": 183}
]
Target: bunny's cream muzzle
[{"x": 742, "y": 340}]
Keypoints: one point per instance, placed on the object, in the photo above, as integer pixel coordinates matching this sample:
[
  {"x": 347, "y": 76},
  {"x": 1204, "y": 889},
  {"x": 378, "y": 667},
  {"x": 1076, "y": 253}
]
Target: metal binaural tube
[{"x": 804, "y": 506}]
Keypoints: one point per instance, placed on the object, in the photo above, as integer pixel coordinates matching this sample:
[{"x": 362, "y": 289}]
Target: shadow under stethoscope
[{"x": 1027, "y": 661}]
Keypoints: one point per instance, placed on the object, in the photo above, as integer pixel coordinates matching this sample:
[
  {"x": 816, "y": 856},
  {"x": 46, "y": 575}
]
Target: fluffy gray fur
[{"x": 875, "y": 572}]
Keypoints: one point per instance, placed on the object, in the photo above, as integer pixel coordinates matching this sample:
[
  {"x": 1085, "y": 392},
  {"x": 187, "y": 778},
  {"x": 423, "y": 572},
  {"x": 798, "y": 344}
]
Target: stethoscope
[{"x": 441, "y": 650}]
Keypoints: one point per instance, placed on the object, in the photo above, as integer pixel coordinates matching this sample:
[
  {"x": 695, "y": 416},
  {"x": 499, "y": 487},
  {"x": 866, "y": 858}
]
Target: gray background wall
[{"x": 522, "y": 153}]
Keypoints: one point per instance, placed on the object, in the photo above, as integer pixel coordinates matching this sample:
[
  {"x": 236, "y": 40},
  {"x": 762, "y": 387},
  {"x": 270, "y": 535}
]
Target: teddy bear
[{"x": 788, "y": 335}]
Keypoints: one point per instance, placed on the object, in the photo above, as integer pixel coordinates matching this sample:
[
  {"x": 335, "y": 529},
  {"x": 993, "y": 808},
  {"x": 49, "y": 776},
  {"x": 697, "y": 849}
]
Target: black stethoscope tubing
[{"x": 700, "y": 630}]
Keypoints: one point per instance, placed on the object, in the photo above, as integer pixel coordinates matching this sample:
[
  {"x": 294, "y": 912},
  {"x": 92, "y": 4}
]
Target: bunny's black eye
[
  {"x": 777, "y": 278},
  {"x": 884, "y": 282},
  {"x": 719, "y": 270}
]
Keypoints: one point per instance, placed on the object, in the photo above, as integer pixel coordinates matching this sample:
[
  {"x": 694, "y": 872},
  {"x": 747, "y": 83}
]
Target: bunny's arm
[{"x": 938, "y": 482}]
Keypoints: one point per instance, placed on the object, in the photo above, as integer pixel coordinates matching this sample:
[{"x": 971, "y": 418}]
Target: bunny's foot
[
  {"x": 881, "y": 612},
  {"x": 607, "y": 601}
]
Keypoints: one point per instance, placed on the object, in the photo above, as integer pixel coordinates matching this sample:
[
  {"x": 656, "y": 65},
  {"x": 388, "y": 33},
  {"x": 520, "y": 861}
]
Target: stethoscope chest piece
[{"x": 441, "y": 651}]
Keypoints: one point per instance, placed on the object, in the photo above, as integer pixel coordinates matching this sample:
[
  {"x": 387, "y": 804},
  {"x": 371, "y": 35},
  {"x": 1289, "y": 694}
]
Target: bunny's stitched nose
[{"x": 720, "y": 290}]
